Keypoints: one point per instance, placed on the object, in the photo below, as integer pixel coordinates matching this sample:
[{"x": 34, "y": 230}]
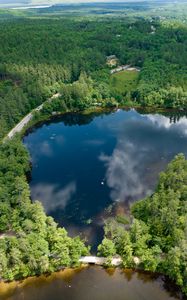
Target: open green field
[{"x": 124, "y": 81}]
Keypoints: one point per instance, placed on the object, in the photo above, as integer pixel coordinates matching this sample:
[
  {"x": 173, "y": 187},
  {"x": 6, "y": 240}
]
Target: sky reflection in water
[{"x": 82, "y": 164}]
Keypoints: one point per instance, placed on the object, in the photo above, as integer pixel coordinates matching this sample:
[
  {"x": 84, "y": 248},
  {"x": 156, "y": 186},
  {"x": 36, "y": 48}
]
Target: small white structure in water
[{"x": 115, "y": 261}]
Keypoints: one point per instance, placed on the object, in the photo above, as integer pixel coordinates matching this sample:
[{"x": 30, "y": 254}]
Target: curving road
[{"x": 18, "y": 128}]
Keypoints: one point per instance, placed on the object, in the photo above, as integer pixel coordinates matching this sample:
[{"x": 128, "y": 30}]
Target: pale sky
[{"x": 60, "y": 1}]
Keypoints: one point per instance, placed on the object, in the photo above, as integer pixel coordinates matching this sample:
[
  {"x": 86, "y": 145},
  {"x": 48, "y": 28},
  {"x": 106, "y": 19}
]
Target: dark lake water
[
  {"x": 82, "y": 164},
  {"x": 92, "y": 283}
]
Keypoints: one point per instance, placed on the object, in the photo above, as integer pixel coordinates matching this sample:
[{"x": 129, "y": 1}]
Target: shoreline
[
  {"x": 29, "y": 120},
  {"x": 34, "y": 122},
  {"x": 42, "y": 119},
  {"x": 9, "y": 288}
]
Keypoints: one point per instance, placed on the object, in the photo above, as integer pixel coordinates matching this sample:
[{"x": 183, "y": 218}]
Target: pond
[
  {"x": 87, "y": 166},
  {"x": 93, "y": 283}
]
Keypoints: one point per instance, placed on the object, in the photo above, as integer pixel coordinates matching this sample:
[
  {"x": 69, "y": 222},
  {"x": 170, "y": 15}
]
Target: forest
[
  {"x": 40, "y": 57},
  {"x": 31, "y": 243},
  {"x": 43, "y": 56},
  {"x": 156, "y": 231}
]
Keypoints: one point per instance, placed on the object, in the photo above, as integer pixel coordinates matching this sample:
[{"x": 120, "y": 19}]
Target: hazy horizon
[{"x": 47, "y": 2}]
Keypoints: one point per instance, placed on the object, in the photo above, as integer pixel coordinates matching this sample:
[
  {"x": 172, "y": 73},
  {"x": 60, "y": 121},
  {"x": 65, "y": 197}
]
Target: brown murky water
[{"x": 93, "y": 283}]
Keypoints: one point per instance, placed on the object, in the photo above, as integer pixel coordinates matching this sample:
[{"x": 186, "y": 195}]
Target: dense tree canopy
[
  {"x": 43, "y": 56},
  {"x": 40, "y": 57},
  {"x": 30, "y": 242},
  {"x": 157, "y": 231}
]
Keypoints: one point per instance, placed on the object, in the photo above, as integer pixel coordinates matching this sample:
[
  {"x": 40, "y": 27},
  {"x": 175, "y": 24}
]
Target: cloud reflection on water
[
  {"x": 167, "y": 123},
  {"x": 52, "y": 197},
  {"x": 142, "y": 150},
  {"x": 122, "y": 173},
  {"x": 78, "y": 171}
]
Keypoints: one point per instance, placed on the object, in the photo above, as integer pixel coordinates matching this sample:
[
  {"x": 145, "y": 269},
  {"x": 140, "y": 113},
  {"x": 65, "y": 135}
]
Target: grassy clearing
[{"x": 124, "y": 81}]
